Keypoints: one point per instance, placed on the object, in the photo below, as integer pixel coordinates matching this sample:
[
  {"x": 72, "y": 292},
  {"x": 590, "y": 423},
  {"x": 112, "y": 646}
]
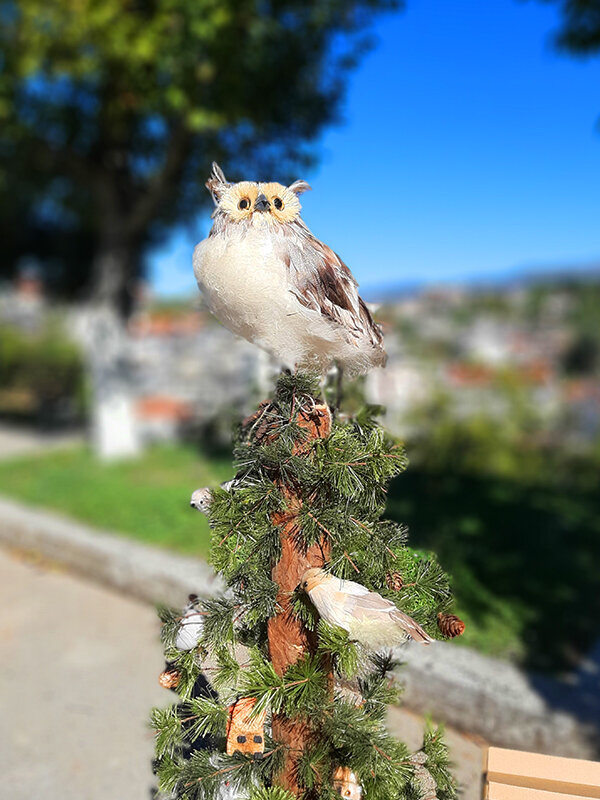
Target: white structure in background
[
  {"x": 115, "y": 433},
  {"x": 114, "y": 428}
]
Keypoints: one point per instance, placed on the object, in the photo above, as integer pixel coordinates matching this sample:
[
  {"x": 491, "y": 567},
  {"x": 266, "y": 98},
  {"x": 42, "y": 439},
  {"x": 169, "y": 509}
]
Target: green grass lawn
[{"x": 146, "y": 498}]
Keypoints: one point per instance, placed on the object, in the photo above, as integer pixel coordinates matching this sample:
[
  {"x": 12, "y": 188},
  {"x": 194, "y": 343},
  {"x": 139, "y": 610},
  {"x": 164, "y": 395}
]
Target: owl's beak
[{"x": 261, "y": 203}]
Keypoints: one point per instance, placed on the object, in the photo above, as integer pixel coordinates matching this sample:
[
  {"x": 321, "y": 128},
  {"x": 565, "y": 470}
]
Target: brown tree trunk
[
  {"x": 289, "y": 640},
  {"x": 113, "y": 272}
]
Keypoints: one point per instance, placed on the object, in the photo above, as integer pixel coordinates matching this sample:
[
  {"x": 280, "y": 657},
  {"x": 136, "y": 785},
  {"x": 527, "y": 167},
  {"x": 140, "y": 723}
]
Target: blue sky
[{"x": 469, "y": 149}]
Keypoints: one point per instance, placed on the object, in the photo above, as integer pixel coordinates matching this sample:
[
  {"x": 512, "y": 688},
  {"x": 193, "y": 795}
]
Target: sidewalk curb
[
  {"x": 151, "y": 574},
  {"x": 496, "y": 700},
  {"x": 472, "y": 692}
]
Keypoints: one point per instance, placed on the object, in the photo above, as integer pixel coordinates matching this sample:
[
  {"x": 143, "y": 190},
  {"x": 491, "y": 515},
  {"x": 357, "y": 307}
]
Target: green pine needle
[
  {"x": 438, "y": 761},
  {"x": 344, "y": 652},
  {"x": 271, "y": 793}
]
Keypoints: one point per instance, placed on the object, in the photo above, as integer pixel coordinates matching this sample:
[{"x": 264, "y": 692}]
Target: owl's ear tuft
[
  {"x": 217, "y": 183},
  {"x": 298, "y": 187}
]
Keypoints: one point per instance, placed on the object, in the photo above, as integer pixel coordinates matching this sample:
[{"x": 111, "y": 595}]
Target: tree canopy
[
  {"x": 112, "y": 110},
  {"x": 580, "y": 28}
]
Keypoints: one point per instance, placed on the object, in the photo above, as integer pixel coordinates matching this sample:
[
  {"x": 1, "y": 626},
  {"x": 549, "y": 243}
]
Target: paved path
[
  {"x": 78, "y": 677},
  {"x": 78, "y": 670},
  {"x": 17, "y": 441}
]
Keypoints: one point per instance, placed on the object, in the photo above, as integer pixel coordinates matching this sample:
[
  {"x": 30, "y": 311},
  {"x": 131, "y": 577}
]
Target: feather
[
  {"x": 299, "y": 187},
  {"x": 323, "y": 283},
  {"x": 217, "y": 183}
]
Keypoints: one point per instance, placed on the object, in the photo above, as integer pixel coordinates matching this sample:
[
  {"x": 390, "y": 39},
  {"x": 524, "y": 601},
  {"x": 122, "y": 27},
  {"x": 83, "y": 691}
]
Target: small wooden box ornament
[
  {"x": 244, "y": 734},
  {"x": 346, "y": 783}
]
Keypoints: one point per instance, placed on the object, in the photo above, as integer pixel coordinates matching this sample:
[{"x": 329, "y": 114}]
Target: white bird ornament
[
  {"x": 201, "y": 499},
  {"x": 267, "y": 278},
  {"x": 367, "y": 616},
  {"x": 190, "y": 627}
]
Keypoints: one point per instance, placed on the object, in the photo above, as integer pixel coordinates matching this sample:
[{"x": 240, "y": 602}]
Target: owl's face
[
  {"x": 253, "y": 203},
  {"x": 259, "y": 203}
]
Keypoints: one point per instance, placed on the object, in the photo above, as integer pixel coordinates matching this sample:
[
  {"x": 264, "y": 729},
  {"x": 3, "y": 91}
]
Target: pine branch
[
  {"x": 207, "y": 716},
  {"x": 167, "y": 724},
  {"x": 227, "y": 670},
  {"x": 271, "y": 793},
  {"x": 438, "y": 761},
  {"x": 202, "y": 775},
  {"x": 336, "y": 642},
  {"x": 218, "y": 619}
]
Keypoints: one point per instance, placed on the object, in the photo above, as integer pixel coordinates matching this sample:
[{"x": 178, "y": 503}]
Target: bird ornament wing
[
  {"x": 350, "y": 587},
  {"x": 323, "y": 283},
  {"x": 366, "y": 607}
]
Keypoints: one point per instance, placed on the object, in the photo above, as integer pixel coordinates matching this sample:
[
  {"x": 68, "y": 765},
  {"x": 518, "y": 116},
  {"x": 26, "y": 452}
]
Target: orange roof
[
  {"x": 165, "y": 324},
  {"x": 163, "y": 407}
]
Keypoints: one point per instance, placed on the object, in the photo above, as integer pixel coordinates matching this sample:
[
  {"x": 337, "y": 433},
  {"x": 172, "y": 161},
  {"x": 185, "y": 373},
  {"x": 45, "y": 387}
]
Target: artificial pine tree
[{"x": 292, "y": 707}]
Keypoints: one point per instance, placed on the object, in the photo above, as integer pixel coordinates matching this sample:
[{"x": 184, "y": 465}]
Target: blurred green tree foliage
[
  {"x": 111, "y": 112},
  {"x": 580, "y": 29},
  {"x": 41, "y": 373}
]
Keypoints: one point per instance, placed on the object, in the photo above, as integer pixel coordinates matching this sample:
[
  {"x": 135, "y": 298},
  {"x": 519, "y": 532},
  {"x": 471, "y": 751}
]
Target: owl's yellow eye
[
  {"x": 278, "y": 203},
  {"x": 244, "y": 204}
]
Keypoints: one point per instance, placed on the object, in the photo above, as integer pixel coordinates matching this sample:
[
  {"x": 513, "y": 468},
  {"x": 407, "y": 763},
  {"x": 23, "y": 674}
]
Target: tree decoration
[
  {"x": 245, "y": 730},
  {"x": 267, "y": 278},
  {"x": 169, "y": 678},
  {"x": 450, "y": 625},
  {"x": 367, "y": 616},
  {"x": 202, "y": 498},
  {"x": 190, "y": 626},
  {"x": 393, "y": 581},
  {"x": 345, "y": 783},
  {"x": 308, "y": 496},
  {"x": 422, "y": 778}
]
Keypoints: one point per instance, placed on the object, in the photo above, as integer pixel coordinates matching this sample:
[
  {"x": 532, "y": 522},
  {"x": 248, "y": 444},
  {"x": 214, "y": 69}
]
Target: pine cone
[
  {"x": 450, "y": 625},
  {"x": 394, "y": 581},
  {"x": 169, "y": 679},
  {"x": 422, "y": 778}
]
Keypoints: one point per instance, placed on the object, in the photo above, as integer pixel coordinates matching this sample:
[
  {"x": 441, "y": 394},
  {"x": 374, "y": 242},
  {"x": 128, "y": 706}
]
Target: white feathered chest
[{"x": 246, "y": 284}]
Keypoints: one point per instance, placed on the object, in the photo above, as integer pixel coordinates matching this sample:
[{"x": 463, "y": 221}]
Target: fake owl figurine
[
  {"x": 267, "y": 278},
  {"x": 367, "y": 616}
]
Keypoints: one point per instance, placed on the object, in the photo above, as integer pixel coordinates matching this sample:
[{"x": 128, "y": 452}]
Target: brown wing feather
[
  {"x": 412, "y": 628},
  {"x": 333, "y": 285},
  {"x": 325, "y": 284}
]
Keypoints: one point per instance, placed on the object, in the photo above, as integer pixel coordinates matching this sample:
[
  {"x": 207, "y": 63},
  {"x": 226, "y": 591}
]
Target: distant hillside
[{"x": 558, "y": 275}]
